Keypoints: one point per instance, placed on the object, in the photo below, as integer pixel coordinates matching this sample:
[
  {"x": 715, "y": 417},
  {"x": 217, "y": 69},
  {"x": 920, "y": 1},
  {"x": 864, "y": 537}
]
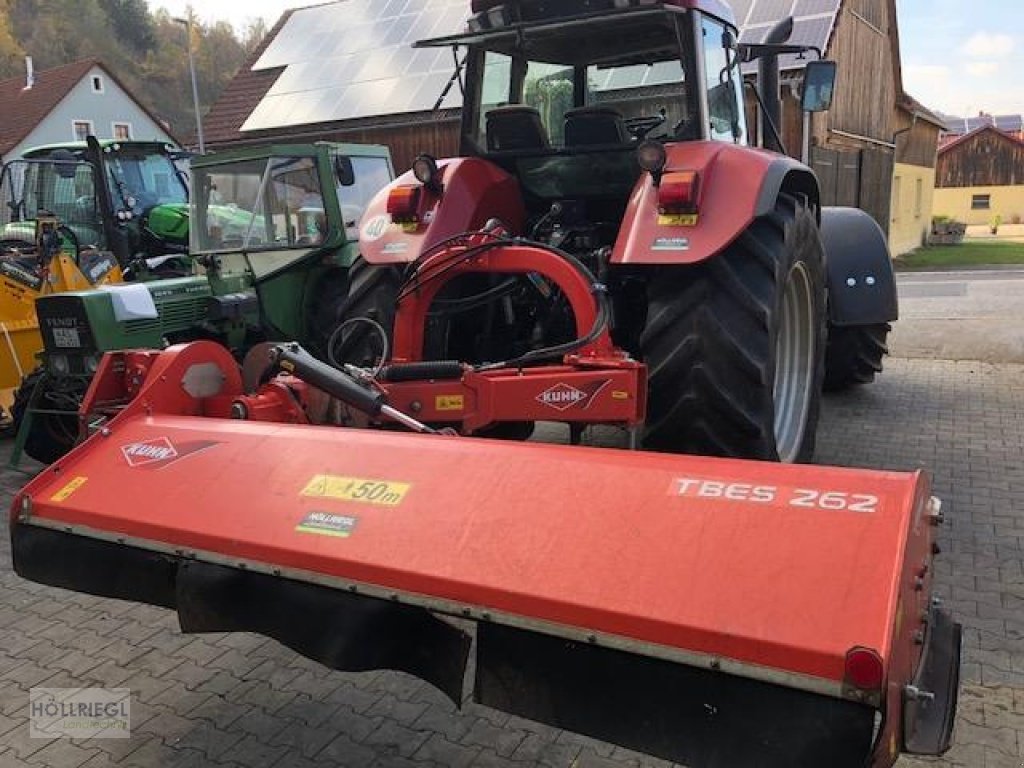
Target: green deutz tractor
[
  {"x": 125, "y": 197},
  {"x": 273, "y": 233}
]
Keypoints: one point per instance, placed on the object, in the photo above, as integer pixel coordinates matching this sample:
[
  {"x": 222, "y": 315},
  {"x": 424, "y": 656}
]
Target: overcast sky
[{"x": 959, "y": 57}]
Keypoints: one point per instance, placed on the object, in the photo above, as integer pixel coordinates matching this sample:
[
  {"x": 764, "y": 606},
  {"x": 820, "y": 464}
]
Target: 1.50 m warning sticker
[
  {"x": 808, "y": 498},
  {"x": 384, "y": 493}
]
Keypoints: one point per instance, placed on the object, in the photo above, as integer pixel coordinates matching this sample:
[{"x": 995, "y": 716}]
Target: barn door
[{"x": 855, "y": 178}]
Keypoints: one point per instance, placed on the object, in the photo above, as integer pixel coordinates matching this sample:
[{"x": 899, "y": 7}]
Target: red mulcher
[{"x": 710, "y": 611}]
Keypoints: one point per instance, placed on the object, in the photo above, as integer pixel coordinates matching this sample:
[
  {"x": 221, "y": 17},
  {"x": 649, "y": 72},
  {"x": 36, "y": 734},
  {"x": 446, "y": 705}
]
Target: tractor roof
[
  {"x": 535, "y": 10},
  {"x": 80, "y": 146},
  {"x": 581, "y": 32},
  {"x": 288, "y": 150}
]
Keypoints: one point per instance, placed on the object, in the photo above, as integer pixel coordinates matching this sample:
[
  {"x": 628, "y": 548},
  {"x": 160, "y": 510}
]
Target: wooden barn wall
[
  {"x": 440, "y": 139},
  {"x": 917, "y": 141},
  {"x": 984, "y": 160},
  {"x": 865, "y": 82},
  {"x": 792, "y": 128}
]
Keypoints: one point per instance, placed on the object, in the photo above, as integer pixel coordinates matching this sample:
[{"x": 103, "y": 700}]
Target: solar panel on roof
[{"x": 352, "y": 59}]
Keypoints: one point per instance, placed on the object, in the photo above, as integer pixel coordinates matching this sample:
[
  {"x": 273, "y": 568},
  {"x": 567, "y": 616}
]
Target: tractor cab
[
  {"x": 132, "y": 200},
  {"x": 572, "y": 77},
  {"x": 560, "y": 96},
  {"x": 263, "y": 211}
]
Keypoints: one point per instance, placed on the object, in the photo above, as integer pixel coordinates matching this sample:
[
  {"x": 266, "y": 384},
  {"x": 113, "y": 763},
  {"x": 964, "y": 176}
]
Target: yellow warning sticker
[
  {"x": 450, "y": 403},
  {"x": 678, "y": 220},
  {"x": 65, "y": 493},
  {"x": 385, "y": 493},
  {"x": 620, "y": 394}
]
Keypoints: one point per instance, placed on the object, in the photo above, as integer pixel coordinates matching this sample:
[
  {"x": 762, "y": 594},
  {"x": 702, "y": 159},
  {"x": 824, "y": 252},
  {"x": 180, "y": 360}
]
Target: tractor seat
[
  {"x": 589, "y": 126},
  {"x": 515, "y": 127}
]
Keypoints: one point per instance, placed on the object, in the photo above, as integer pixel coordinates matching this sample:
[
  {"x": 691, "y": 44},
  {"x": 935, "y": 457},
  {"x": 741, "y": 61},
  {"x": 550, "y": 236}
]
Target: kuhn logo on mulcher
[
  {"x": 149, "y": 452},
  {"x": 561, "y": 397}
]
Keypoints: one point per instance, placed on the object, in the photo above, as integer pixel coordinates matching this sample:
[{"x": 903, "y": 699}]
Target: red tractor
[{"x": 589, "y": 226}]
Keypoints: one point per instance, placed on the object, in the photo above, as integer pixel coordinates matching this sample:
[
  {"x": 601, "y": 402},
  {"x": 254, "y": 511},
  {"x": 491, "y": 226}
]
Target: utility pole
[{"x": 187, "y": 22}]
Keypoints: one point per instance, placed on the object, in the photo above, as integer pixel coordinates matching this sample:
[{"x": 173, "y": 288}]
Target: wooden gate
[{"x": 856, "y": 178}]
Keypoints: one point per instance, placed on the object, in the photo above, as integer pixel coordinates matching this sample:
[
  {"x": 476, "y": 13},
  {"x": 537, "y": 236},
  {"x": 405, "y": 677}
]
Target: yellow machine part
[{"x": 20, "y": 340}]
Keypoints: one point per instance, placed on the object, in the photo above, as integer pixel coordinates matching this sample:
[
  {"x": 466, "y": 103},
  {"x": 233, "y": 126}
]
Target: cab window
[{"x": 723, "y": 85}]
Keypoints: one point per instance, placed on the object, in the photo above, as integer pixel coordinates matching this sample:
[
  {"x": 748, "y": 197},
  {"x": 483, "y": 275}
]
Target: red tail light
[
  {"x": 678, "y": 192},
  {"x": 864, "y": 669},
  {"x": 403, "y": 203}
]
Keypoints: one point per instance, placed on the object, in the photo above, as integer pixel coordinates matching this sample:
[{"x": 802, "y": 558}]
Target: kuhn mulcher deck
[{"x": 708, "y": 611}]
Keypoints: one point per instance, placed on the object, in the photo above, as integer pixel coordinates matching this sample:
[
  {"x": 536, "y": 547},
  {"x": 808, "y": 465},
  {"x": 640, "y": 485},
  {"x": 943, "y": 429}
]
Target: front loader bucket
[
  {"x": 701, "y": 610},
  {"x": 20, "y": 342}
]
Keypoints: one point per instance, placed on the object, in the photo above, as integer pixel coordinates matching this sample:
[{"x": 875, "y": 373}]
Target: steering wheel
[{"x": 641, "y": 126}]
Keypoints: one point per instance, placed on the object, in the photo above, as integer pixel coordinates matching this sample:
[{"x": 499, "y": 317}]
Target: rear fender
[
  {"x": 473, "y": 191},
  {"x": 737, "y": 185},
  {"x": 861, "y": 281}
]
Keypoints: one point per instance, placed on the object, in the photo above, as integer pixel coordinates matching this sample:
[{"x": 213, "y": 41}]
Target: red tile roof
[{"x": 23, "y": 109}]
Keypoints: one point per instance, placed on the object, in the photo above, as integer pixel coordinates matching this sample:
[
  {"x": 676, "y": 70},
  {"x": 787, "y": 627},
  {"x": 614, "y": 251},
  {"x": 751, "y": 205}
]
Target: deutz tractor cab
[{"x": 137, "y": 201}]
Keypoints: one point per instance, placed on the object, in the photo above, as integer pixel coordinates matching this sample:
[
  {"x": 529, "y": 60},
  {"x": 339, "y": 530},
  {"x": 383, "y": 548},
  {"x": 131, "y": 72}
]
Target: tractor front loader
[
  {"x": 39, "y": 257},
  {"x": 122, "y": 213}
]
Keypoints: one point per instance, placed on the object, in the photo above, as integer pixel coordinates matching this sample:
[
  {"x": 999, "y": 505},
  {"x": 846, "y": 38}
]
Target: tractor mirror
[
  {"x": 819, "y": 84},
  {"x": 344, "y": 171}
]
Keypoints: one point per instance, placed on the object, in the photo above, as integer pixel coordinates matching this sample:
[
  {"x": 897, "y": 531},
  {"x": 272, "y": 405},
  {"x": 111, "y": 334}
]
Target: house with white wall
[{"x": 68, "y": 103}]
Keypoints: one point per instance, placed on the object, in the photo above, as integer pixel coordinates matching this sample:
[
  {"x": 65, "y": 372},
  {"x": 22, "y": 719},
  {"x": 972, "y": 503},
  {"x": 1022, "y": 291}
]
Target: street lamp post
[{"x": 195, "y": 88}]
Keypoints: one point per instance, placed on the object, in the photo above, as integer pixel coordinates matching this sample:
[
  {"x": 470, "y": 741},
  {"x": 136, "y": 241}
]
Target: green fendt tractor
[{"x": 273, "y": 231}]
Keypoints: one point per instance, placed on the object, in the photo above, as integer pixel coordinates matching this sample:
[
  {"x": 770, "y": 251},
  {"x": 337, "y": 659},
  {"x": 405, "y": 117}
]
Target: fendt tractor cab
[
  {"x": 272, "y": 237},
  {"x": 611, "y": 135}
]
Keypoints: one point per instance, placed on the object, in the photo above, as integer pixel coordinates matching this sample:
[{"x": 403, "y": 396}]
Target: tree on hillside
[{"x": 147, "y": 51}]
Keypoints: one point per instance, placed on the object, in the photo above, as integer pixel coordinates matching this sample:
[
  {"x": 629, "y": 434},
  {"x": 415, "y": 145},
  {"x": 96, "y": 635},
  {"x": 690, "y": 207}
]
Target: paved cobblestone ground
[{"x": 236, "y": 699}]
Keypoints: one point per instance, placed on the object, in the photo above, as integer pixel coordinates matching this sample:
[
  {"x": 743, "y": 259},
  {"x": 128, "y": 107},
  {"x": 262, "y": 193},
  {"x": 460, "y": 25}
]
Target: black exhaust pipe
[{"x": 768, "y": 82}]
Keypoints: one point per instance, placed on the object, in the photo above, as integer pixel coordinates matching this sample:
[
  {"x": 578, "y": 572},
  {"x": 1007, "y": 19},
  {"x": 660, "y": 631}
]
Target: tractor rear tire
[
  {"x": 854, "y": 355},
  {"x": 373, "y": 293},
  {"x": 325, "y": 307},
  {"x": 51, "y": 436},
  {"x": 735, "y": 345}
]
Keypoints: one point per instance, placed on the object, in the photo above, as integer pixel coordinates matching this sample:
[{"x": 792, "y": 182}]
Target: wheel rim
[{"x": 794, "y": 364}]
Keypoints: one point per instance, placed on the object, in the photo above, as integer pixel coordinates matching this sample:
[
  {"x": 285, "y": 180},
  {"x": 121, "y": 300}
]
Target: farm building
[
  {"x": 913, "y": 182},
  {"x": 961, "y": 126},
  {"x": 345, "y": 71},
  {"x": 980, "y": 178}
]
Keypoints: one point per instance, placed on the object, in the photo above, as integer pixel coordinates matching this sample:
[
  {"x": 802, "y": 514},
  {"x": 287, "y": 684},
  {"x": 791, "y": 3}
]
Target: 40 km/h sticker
[
  {"x": 808, "y": 498},
  {"x": 385, "y": 493}
]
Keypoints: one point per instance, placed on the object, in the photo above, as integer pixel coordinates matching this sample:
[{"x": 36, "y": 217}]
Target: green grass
[{"x": 969, "y": 254}]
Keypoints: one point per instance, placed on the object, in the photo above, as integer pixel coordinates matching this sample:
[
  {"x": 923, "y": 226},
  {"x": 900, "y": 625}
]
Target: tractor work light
[
  {"x": 652, "y": 158},
  {"x": 678, "y": 192},
  {"x": 403, "y": 203},
  {"x": 425, "y": 169}
]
